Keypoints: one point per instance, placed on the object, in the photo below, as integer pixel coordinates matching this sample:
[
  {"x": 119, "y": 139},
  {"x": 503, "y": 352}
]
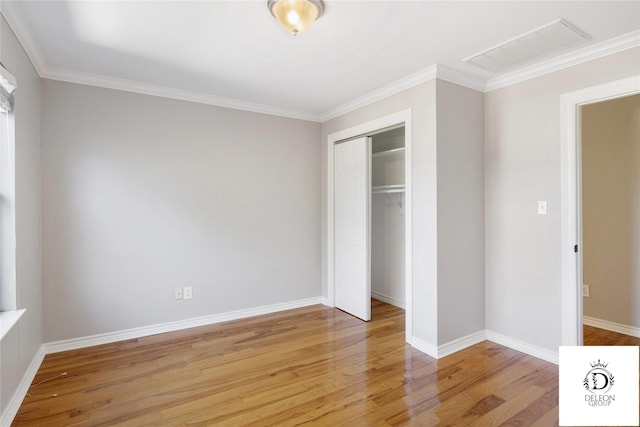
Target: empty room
[{"x": 287, "y": 212}]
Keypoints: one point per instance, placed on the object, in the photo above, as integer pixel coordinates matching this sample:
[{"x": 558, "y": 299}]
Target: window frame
[{"x": 9, "y": 311}]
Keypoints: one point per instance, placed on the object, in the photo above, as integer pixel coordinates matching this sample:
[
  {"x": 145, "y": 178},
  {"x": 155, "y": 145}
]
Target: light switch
[{"x": 542, "y": 207}]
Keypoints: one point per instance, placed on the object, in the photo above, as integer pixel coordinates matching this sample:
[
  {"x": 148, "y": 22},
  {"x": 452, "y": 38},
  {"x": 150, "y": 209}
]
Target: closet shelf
[
  {"x": 388, "y": 152},
  {"x": 399, "y": 188}
]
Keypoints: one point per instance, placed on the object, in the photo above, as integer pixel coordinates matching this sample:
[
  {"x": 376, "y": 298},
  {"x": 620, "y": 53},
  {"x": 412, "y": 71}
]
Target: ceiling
[{"x": 234, "y": 51}]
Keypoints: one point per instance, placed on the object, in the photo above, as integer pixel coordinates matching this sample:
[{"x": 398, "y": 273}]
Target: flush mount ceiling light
[{"x": 295, "y": 16}]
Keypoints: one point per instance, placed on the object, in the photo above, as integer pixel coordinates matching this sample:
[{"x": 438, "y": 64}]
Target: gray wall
[
  {"x": 522, "y": 166},
  {"x": 611, "y": 210},
  {"x": 143, "y": 194},
  {"x": 21, "y": 344},
  {"x": 461, "y": 289}
]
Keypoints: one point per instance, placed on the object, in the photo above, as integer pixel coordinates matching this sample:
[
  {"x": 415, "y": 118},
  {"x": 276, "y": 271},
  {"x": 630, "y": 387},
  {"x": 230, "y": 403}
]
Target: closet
[
  {"x": 387, "y": 217},
  {"x": 369, "y": 221}
]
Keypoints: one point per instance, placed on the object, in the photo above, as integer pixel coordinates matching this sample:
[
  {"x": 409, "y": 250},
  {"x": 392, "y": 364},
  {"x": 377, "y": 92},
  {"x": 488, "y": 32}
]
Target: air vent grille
[{"x": 537, "y": 44}]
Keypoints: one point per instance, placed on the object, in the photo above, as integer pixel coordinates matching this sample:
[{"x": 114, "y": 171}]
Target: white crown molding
[
  {"x": 430, "y": 73},
  {"x": 589, "y": 53},
  {"x": 458, "y": 77},
  {"x": 434, "y": 71},
  {"x": 23, "y": 32},
  {"x": 110, "y": 337},
  {"x": 384, "y": 92},
  {"x": 608, "y": 47},
  {"x": 109, "y": 82}
]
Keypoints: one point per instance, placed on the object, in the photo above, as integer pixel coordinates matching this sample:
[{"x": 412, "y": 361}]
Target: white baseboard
[
  {"x": 425, "y": 347},
  {"x": 524, "y": 347},
  {"x": 611, "y": 326},
  {"x": 438, "y": 352},
  {"x": 76, "y": 343},
  {"x": 461, "y": 343},
  {"x": 16, "y": 400},
  {"x": 389, "y": 300}
]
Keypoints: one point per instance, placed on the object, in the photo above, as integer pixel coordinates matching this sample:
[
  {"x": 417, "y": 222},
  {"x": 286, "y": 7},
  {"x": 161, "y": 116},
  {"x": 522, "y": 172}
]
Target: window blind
[{"x": 7, "y": 86}]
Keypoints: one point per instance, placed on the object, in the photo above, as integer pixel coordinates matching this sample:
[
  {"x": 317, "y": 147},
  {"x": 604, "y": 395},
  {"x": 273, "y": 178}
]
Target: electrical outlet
[
  {"x": 177, "y": 293},
  {"x": 585, "y": 290},
  {"x": 187, "y": 292}
]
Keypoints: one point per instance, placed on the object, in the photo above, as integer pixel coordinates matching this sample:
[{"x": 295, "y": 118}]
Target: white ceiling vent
[{"x": 541, "y": 42}]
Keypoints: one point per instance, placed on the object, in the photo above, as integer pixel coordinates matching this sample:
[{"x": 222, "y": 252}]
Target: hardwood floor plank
[
  {"x": 550, "y": 419},
  {"x": 309, "y": 366},
  {"x": 536, "y": 410},
  {"x": 510, "y": 407},
  {"x": 483, "y": 406},
  {"x": 597, "y": 336}
]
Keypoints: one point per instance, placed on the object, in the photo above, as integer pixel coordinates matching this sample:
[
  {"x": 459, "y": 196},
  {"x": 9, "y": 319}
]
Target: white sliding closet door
[{"x": 352, "y": 184}]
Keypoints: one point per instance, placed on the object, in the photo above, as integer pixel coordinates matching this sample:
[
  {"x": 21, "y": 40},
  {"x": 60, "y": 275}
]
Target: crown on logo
[{"x": 599, "y": 364}]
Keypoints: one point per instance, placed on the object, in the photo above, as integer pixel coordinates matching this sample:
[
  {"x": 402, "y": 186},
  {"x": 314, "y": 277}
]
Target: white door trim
[
  {"x": 571, "y": 203},
  {"x": 399, "y": 118}
]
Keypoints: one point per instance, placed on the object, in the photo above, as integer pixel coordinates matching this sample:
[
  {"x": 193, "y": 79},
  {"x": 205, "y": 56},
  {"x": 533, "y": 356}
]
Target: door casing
[{"x": 571, "y": 203}]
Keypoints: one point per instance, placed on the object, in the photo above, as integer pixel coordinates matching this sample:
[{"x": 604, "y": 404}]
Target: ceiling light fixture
[{"x": 295, "y": 16}]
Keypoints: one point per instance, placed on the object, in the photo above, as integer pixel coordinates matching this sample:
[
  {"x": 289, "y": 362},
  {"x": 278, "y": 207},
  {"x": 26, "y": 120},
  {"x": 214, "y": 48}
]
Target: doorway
[
  {"x": 397, "y": 120},
  {"x": 610, "y": 176},
  {"x": 572, "y": 257}
]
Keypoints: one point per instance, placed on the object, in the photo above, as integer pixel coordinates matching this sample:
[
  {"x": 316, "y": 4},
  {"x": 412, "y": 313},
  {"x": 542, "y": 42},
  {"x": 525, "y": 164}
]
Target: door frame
[
  {"x": 571, "y": 198},
  {"x": 401, "y": 118}
]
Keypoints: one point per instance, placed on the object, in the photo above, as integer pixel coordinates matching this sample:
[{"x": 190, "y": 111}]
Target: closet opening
[
  {"x": 388, "y": 217},
  {"x": 369, "y": 210},
  {"x": 369, "y": 178}
]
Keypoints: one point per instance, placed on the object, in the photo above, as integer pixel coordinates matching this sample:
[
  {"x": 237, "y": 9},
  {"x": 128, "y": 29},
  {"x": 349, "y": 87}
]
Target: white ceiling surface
[{"x": 236, "y": 50}]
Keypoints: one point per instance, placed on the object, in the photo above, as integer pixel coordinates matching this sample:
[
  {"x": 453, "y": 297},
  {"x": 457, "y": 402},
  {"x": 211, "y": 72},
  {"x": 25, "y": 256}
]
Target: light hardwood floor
[
  {"x": 313, "y": 366},
  {"x": 597, "y": 336}
]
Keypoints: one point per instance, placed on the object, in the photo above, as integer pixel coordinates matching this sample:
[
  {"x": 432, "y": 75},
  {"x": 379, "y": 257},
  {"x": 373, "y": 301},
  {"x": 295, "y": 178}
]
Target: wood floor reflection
[{"x": 314, "y": 366}]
